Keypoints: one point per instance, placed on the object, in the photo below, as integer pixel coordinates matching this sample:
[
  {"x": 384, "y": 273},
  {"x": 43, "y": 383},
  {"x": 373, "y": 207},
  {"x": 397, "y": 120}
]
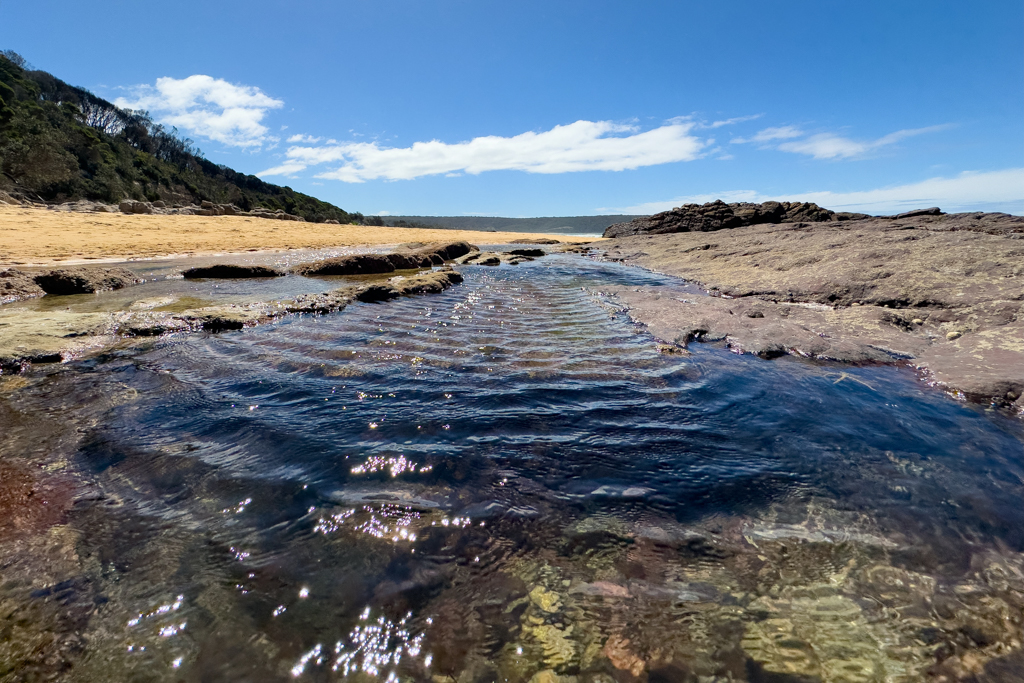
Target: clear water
[{"x": 508, "y": 481}]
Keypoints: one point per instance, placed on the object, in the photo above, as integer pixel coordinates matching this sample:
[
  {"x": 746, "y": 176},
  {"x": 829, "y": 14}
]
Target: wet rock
[
  {"x": 818, "y": 634},
  {"x": 445, "y": 250},
  {"x": 231, "y": 271},
  {"x": 426, "y": 283},
  {"x": 52, "y": 336},
  {"x": 532, "y": 253},
  {"x": 408, "y": 261},
  {"x": 545, "y": 599},
  {"x": 618, "y": 651},
  {"x": 411, "y": 256},
  {"x": 558, "y": 649},
  {"x": 16, "y": 285},
  {"x": 549, "y": 676},
  {"x": 353, "y": 264},
  {"x": 63, "y": 281},
  {"x": 480, "y": 258}
]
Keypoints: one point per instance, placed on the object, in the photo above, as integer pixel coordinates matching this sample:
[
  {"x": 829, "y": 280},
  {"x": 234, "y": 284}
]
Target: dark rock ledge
[{"x": 17, "y": 284}]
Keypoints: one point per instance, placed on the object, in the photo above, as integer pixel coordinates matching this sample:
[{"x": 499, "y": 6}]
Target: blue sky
[{"x": 566, "y": 108}]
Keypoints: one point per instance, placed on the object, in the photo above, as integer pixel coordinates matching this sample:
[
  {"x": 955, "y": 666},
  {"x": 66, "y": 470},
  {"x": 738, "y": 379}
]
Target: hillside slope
[{"x": 59, "y": 143}]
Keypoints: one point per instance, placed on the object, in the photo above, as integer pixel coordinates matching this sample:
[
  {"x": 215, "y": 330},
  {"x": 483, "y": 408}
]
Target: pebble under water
[{"x": 509, "y": 481}]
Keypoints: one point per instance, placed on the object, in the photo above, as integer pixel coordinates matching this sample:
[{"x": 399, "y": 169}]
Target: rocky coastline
[
  {"x": 943, "y": 293},
  {"x": 58, "y": 335}
]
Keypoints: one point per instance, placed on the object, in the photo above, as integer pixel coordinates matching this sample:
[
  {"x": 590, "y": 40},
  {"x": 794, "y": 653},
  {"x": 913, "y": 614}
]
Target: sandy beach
[{"x": 30, "y": 236}]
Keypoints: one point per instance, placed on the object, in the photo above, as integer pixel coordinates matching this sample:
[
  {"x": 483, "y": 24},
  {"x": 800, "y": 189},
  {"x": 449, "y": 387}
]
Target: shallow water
[{"x": 509, "y": 479}]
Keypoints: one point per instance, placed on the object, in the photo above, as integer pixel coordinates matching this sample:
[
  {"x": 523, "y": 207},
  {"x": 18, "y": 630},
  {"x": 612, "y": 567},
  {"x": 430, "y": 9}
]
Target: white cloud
[
  {"x": 737, "y": 119},
  {"x": 304, "y": 138},
  {"x": 831, "y": 146},
  {"x": 208, "y": 107},
  {"x": 579, "y": 146},
  {"x": 769, "y": 134},
  {"x": 969, "y": 191}
]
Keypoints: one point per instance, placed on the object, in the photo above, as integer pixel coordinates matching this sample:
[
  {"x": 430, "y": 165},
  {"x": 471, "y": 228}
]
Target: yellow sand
[{"x": 40, "y": 236}]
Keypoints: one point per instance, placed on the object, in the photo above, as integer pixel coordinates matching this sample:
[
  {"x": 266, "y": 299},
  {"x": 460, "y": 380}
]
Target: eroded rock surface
[{"x": 943, "y": 292}]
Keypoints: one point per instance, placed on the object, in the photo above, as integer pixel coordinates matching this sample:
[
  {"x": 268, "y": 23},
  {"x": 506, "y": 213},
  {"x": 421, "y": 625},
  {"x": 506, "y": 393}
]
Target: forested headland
[{"x": 60, "y": 143}]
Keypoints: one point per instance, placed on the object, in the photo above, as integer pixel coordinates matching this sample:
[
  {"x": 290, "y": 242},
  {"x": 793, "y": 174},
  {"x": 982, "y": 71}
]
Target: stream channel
[{"x": 504, "y": 482}]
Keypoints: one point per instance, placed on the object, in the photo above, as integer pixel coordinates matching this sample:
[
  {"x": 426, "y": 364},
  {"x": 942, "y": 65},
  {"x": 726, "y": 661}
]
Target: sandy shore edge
[{"x": 40, "y": 237}]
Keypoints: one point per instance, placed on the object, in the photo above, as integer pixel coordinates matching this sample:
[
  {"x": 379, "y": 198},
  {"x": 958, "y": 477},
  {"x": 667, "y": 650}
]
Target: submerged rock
[
  {"x": 231, "y": 271},
  {"x": 53, "y": 336}
]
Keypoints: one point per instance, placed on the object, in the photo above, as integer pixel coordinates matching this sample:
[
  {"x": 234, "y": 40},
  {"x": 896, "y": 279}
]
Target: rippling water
[{"x": 508, "y": 481}]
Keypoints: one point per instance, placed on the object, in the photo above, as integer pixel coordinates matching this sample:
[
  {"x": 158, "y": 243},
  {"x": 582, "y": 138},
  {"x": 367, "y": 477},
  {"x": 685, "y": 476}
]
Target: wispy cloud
[
  {"x": 734, "y": 120},
  {"x": 830, "y": 146},
  {"x": 304, "y": 138},
  {"x": 770, "y": 134},
  {"x": 207, "y": 107},
  {"x": 579, "y": 146},
  {"x": 969, "y": 191}
]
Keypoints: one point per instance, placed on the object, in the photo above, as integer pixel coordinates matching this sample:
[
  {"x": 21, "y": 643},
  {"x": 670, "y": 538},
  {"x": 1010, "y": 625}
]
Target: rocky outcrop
[
  {"x": 480, "y": 258},
  {"x": 353, "y": 264},
  {"x": 406, "y": 258},
  {"x": 718, "y": 215},
  {"x": 16, "y": 285},
  {"x": 64, "y": 281},
  {"x": 532, "y": 253},
  {"x": 944, "y": 293},
  {"x": 539, "y": 240},
  {"x": 231, "y": 271}
]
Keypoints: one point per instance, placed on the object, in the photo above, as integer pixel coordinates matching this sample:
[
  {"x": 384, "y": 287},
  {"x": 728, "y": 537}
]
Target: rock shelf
[{"x": 943, "y": 293}]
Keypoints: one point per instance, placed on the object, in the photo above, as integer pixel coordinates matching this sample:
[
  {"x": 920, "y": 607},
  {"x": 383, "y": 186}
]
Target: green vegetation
[{"x": 60, "y": 143}]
